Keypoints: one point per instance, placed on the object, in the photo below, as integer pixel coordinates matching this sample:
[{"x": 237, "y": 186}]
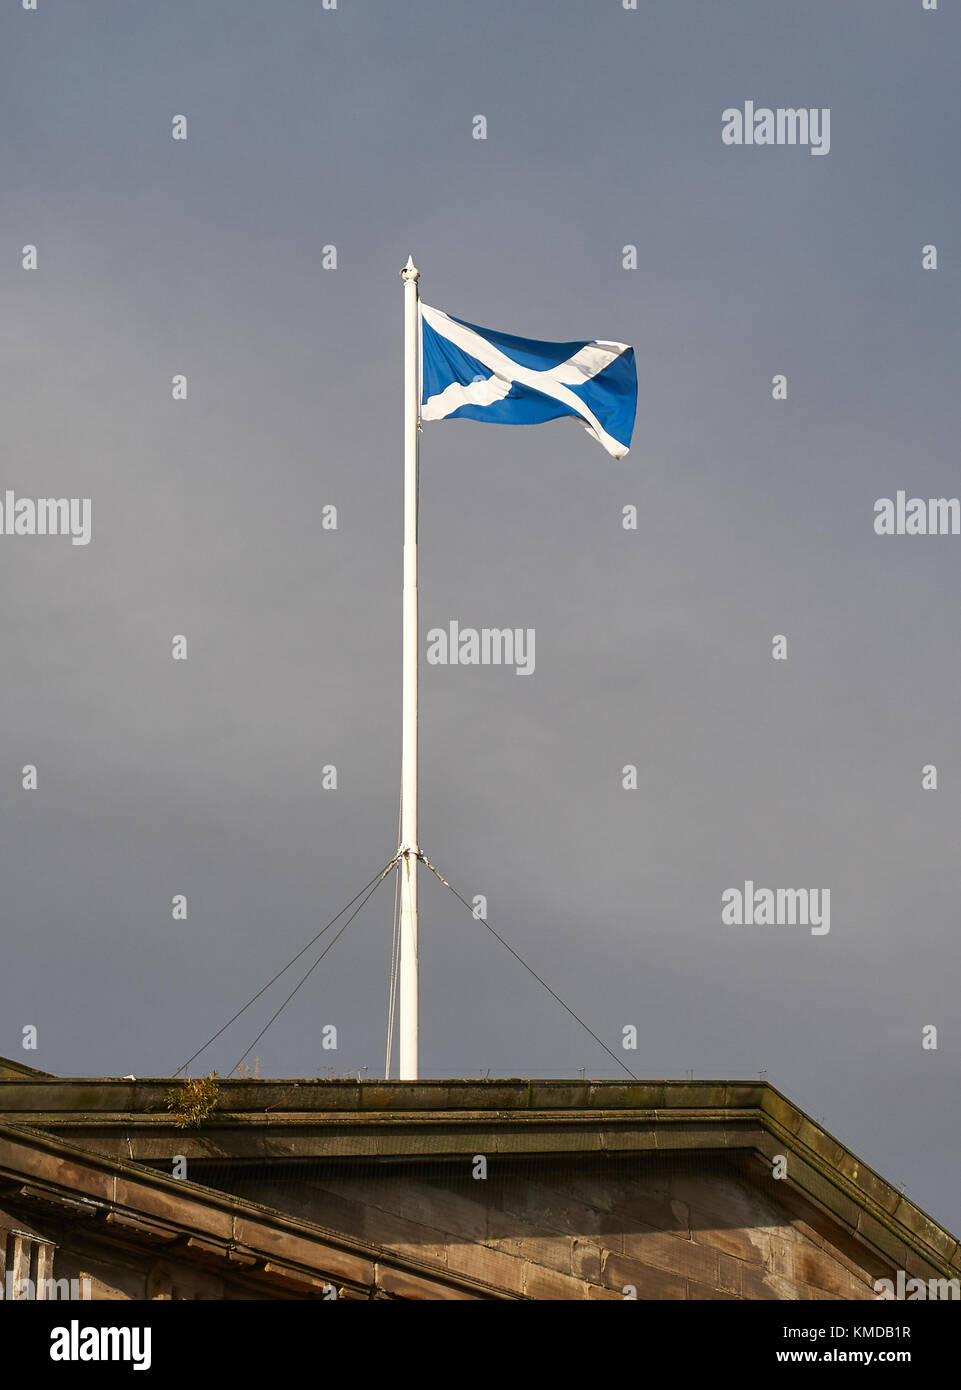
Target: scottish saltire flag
[{"x": 474, "y": 373}]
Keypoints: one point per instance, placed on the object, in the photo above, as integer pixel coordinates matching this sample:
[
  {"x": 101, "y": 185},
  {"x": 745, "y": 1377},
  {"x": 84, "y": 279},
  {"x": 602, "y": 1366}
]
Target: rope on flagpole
[
  {"x": 613, "y": 1055},
  {"x": 394, "y": 960}
]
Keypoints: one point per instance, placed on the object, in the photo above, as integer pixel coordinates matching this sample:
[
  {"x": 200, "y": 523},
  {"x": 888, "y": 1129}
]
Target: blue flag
[{"x": 474, "y": 373}]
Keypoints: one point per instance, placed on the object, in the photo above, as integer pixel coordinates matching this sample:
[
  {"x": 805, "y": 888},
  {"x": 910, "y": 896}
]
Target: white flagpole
[{"x": 408, "y": 767}]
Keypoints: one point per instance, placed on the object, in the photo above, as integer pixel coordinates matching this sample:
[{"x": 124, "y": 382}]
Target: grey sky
[{"x": 156, "y": 777}]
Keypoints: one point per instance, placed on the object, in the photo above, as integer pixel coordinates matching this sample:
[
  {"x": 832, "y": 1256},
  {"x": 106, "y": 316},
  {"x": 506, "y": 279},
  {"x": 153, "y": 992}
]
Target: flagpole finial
[{"x": 410, "y": 271}]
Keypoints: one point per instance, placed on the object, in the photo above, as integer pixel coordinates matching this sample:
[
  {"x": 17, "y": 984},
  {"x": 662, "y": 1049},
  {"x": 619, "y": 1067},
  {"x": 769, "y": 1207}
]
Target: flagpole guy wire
[
  {"x": 369, "y": 889},
  {"x": 613, "y": 1055}
]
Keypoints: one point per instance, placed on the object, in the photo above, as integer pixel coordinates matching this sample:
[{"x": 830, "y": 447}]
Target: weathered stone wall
[{"x": 671, "y": 1228}]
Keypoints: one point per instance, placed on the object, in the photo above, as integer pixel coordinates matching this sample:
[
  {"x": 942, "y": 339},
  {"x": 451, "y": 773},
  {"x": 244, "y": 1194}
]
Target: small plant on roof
[{"x": 191, "y": 1105}]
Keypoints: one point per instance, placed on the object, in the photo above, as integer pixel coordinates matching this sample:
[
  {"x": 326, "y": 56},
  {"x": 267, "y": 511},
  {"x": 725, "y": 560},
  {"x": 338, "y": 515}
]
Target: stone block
[{"x": 619, "y": 1271}]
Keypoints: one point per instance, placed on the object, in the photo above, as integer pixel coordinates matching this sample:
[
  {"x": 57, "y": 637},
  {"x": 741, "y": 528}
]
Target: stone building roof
[
  {"x": 102, "y": 1140},
  {"x": 301, "y": 1118}
]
